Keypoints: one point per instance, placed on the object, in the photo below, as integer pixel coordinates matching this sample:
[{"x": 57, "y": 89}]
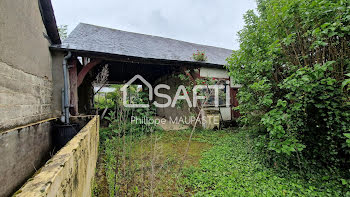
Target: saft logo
[{"x": 181, "y": 94}]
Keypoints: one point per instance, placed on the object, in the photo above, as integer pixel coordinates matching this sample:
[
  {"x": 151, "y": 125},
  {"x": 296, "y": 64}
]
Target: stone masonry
[{"x": 24, "y": 98}]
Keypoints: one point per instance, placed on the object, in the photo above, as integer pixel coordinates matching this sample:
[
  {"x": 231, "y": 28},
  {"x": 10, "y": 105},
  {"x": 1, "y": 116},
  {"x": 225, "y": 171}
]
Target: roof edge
[
  {"x": 117, "y": 57},
  {"x": 49, "y": 20},
  {"x": 110, "y": 28}
]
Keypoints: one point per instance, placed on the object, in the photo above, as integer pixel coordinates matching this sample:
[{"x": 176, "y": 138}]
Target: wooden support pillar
[
  {"x": 86, "y": 69},
  {"x": 234, "y": 102},
  {"x": 73, "y": 86},
  {"x": 75, "y": 80}
]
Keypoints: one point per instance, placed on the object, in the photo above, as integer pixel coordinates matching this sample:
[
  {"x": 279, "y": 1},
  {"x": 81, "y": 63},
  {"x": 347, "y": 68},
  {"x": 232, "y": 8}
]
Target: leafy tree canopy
[{"x": 293, "y": 63}]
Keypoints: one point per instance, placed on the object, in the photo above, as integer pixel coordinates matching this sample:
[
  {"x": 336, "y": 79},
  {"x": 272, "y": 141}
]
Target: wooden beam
[
  {"x": 138, "y": 60},
  {"x": 86, "y": 70}
]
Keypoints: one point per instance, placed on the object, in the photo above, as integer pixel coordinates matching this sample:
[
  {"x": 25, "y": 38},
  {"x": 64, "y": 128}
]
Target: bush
[
  {"x": 200, "y": 56},
  {"x": 119, "y": 117},
  {"x": 293, "y": 60}
]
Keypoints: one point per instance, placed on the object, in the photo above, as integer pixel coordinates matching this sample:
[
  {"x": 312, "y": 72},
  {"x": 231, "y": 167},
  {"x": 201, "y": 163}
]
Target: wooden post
[
  {"x": 234, "y": 102},
  {"x": 73, "y": 78}
]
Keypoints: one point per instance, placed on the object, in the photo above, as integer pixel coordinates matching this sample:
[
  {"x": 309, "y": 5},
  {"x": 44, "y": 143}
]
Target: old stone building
[
  {"x": 26, "y": 32},
  {"x": 27, "y": 110}
]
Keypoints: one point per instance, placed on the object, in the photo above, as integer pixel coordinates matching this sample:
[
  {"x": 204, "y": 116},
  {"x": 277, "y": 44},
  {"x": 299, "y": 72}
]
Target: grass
[
  {"x": 151, "y": 164},
  {"x": 232, "y": 168},
  {"x": 219, "y": 163}
]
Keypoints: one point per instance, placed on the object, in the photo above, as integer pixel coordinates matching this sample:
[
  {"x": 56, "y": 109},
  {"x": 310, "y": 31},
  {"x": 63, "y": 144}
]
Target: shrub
[
  {"x": 119, "y": 117},
  {"x": 200, "y": 56},
  {"x": 293, "y": 60}
]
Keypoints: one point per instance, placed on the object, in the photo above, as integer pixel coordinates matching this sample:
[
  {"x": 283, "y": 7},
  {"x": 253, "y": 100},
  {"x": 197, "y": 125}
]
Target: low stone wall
[
  {"x": 70, "y": 172},
  {"x": 23, "y": 150}
]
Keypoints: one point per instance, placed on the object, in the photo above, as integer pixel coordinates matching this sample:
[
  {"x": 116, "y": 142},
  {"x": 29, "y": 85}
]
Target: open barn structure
[{"x": 127, "y": 54}]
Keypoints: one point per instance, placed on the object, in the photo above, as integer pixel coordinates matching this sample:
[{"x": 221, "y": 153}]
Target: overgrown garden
[{"x": 293, "y": 137}]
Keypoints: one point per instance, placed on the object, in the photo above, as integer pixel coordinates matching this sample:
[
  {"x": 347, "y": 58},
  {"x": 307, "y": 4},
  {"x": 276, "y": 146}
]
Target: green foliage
[
  {"x": 199, "y": 56},
  {"x": 103, "y": 102},
  {"x": 110, "y": 152},
  {"x": 206, "y": 92},
  {"x": 63, "y": 31},
  {"x": 120, "y": 121},
  {"x": 346, "y": 83},
  {"x": 115, "y": 140},
  {"x": 347, "y": 135},
  {"x": 119, "y": 117},
  {"x": 233, "y": 168},
  {"x": 293, "y": 64},
  {"x": 110, "y": 100},
  {"x": 230, "y": 165}
]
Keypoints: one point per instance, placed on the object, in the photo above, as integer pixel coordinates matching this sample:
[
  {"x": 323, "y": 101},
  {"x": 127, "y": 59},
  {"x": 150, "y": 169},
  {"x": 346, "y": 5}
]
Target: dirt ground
[{"x": 169, "y": 126}]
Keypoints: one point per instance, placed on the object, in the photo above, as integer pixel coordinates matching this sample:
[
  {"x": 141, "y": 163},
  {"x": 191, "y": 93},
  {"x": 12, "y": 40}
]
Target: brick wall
[{"x": 24, "y": 98}]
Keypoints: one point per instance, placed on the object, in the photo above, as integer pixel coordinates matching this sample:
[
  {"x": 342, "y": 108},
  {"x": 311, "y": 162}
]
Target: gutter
[{"x": 65, "y": 96}]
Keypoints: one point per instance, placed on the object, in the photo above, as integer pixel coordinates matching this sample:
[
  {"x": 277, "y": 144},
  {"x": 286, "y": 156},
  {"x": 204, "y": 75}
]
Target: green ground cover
[{"x": 218, "y": 163}]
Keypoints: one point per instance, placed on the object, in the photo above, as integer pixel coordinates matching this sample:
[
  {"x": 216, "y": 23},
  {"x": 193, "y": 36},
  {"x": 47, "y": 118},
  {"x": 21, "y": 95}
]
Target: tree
[{"x": 294, "y": 57}]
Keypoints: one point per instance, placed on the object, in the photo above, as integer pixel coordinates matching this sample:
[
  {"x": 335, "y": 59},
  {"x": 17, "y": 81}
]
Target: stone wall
[
  {"x": 184, "y": 111},
  {"x": 57, "y": 77},
  {"x": 25, "y": 65},
  {"x": 172, "y": 112},
  {"x": 71, "y": 171},
  {"x": 23, "y": 151},
  {"x": 24, "y": 97}
]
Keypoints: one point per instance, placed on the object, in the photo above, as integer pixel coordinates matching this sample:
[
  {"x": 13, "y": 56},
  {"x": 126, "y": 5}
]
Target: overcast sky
[{"x": 209, "y": 22}]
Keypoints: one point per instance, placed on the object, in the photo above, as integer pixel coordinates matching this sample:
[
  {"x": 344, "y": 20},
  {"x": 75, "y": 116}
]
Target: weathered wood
[
  {"x": 138, "y": 60},
  {"x": 234, "y": 102},
  {"x": 73, "y": 87},
  {"x": 86, "y": 70}
]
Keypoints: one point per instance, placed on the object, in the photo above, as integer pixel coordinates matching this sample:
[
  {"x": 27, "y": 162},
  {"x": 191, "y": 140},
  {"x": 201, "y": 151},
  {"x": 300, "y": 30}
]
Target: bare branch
[{"x": 101, "y": 78}]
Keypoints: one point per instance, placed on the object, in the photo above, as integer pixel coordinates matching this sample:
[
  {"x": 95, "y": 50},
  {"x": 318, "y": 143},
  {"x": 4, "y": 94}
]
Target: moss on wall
[{"x": 71, "y": 170}]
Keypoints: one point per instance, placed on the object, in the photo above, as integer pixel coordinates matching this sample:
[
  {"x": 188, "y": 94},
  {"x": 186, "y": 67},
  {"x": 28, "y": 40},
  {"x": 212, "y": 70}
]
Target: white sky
[{"x": 209, "y": 22}]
